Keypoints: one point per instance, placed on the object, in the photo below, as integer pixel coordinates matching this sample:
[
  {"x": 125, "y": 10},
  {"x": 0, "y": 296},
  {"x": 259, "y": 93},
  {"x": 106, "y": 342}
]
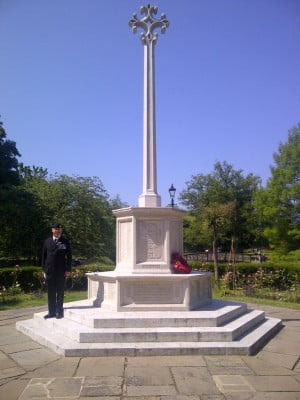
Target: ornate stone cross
[{"x": 149, "y": 196}]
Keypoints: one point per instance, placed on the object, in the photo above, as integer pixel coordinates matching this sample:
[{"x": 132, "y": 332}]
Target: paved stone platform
[
  {"x": 220, "y": 328},
  {"x": 30, "y": 371}
]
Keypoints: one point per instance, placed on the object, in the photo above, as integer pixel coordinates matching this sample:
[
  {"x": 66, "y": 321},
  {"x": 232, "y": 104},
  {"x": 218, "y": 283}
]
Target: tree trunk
[
  {"x": 232, "y": 259},
  {"x": 215, "y": 256}
]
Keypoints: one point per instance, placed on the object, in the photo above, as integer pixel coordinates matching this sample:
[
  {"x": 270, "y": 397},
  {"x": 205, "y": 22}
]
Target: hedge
[
  {"x": 292, "y": 269},
  {"x": 31, "y": 278}
]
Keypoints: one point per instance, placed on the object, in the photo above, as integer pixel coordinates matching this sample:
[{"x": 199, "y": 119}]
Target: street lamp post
[{"x": 172, "y": 192}]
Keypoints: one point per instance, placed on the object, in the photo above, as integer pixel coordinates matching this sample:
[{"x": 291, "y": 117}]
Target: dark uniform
[{"x": 56, "y": 260}]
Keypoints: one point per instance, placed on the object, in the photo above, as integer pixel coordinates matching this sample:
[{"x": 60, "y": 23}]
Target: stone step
[
  {"x": 248, "y": 344},
  {"x": 216, "y": 313},
  {"x": 84, "y": 334}
]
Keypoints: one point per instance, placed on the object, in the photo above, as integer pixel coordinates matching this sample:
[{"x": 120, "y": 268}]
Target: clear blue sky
[{"x": 71, "y": 87}]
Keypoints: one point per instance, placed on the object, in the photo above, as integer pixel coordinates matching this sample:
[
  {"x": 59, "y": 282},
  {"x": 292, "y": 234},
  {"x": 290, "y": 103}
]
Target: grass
[
  {"x": 30, "y": 299},
  {"x": 257, "y": 300}
]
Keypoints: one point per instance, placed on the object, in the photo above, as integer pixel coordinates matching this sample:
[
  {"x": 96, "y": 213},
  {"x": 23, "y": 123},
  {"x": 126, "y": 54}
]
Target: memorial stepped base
[{"x": 221, "y": 327}]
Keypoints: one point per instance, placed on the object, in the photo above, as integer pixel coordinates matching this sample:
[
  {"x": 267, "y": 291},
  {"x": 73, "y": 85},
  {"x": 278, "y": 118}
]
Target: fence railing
[{"x": 224, "y": 257}]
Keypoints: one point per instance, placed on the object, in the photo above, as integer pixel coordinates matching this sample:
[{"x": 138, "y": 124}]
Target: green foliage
[
  {"x": 223, "y": 198},
  {"x": 22, "y": 223},
  {"x": 221, "y": 205},
  {"x": 291, "y": 257},
  {"x": 30, "y": 202},
  {"x": 280, "y": 201},
  {"x": 8, "y": 160},
  {"x": 27, "y": 277},
  {"x": 194, "y": 236},
  {"x": 19, "y": 214},
  {"x": 31, "y": 279},
  {"x": 244, "y": 268},
  {"x": 83, "y": 207}
]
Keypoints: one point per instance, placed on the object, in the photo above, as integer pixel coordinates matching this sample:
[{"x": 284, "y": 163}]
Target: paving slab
[
  {"x": 32, "y": 359},
  {"x": 232, "y": 383},
  {"x": 289, "y": 332},
  {"x": 101, "y": 366},
  {"x": 262, "y": 367},
  {"x": 13, "y": 337},
  {"x": 224, "y": 361},
  {"x": 274, "y": 383},
  {"x": 12, "y": 390},
  {"x": 297, "y": 366},
  {"x": 148, "y": 376},
  {"x": 167, "y": 361},
  {"x": 218, "y": 370},
  {"x": 58, "y": 368},
  {"x": 178, "y": 397},
  {"x": 36, "y": 388},
  {"x": 262, "y": 396},
  {"x": 20, "y": 346},
  {"x": 6, "y": 362},
  {"x": 229, "y": 365},
  {"x": 11, "y": 372},
  {"x": 147, "y": 398},
  {"x": 102, "y": 398},
  {"x": 194, "y": 380},
  {"x": 283, "y": 346},
  {"x": 137, "y": 391},
  {"x": 278, "y": 359},
  {"x": 52, "y": 388},
  {"x": 102, "y": 386}
]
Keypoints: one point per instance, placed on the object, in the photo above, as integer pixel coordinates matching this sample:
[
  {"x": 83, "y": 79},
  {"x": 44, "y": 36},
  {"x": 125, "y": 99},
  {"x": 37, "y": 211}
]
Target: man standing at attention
[{"x": 56, "y": 261}]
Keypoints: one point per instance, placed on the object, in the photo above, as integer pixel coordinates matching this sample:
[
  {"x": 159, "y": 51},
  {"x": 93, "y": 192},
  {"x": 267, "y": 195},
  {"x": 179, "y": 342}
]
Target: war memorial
[{"x": 143, "y": 307}]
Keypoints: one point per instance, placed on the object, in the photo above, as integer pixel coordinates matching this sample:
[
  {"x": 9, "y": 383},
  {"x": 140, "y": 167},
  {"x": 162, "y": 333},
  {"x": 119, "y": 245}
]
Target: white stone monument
[
  {"x": 181, "y": 318},
  {"x": 147, "y": 235}
]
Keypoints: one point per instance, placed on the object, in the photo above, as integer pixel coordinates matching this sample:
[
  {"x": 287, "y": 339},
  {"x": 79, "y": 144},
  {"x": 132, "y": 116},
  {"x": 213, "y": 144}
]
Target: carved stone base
[
  {"x": 146, "y": 238},
  {"x": 147, "y": 292}
]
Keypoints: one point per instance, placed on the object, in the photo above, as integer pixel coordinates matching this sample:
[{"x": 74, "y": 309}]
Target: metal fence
[{"x": 225, "y": 257}]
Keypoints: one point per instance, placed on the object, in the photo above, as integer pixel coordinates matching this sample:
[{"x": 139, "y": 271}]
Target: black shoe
[
  {"x": 59, "y": 316},
  {"x": 49, "y": 316}
]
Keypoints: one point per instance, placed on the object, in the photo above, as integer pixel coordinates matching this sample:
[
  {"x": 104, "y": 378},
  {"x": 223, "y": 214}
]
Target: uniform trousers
[{"x": 56, "y": 285}]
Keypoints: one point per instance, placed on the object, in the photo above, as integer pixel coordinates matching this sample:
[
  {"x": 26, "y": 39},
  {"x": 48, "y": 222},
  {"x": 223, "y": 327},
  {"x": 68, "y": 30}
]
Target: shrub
[{"x": 31, "y": 279}]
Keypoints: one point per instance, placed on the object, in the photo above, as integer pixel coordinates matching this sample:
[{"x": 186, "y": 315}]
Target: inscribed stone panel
[
  {"x": 150, "y": 236},
  {"x": 125, "y": 241}
]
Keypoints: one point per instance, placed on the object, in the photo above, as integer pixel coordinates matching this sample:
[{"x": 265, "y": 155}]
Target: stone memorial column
[
  {"x": 147, "y": 235},
  {"x": 149, "y": 196}
]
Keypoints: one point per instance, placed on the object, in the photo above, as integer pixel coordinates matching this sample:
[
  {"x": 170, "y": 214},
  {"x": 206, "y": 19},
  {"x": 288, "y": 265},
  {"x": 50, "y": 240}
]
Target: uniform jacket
[{"x": 56, "y": 257}]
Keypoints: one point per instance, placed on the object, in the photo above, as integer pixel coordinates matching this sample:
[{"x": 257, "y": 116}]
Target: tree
[
  {"x": 223, "y": 202},
  {"x": 22, "y": 227},
  {"x": 18, "y": 210},
  {"x": 279, "y": 203},
  {"x": 83, "y": 207},
  {"x": 216, "y": 217},
  {"x": 226, "y": 185},
  {"x": 8, "y": 160}
]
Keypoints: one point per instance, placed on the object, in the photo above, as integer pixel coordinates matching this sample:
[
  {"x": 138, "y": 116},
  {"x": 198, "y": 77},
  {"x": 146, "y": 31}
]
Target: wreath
[{"x": 179, "y": 264}]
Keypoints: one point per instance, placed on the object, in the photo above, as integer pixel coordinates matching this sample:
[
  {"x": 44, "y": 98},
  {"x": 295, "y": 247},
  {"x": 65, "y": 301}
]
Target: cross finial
[{"x": 148, "y": 23}]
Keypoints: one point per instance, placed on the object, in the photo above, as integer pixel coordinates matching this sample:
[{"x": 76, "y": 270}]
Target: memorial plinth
[
  {"x": 148, "y": 292},
  {"x": 143, "y": 278},
  {"x": 146, "y": 237}
]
